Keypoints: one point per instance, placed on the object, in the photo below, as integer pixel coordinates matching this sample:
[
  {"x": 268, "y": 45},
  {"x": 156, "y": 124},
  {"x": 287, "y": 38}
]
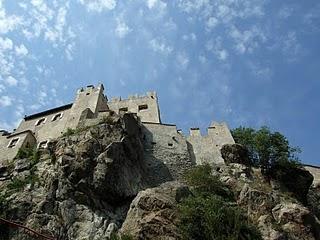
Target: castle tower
[{"x": 90, "y": 98}]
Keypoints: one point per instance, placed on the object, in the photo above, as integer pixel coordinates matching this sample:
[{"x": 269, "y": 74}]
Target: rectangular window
[
  {"x": 57, "y": 117},
  {"x": 13, "y": 143},
  {"x": 124, "y": 109},
  {"x": 40, "y": 121},
  {"x": 143, "y": 107}
]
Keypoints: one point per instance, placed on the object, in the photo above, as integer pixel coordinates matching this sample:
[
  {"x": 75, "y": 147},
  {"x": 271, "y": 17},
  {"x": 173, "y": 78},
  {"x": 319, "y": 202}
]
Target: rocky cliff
[{"x": 95, "y": 182}]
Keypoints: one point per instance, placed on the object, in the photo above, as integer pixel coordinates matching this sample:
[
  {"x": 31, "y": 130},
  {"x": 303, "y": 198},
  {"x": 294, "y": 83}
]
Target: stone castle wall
[
  {"x": 146, "y": 107},
  {"x": 165, "y": 147},
  {"x": 166, "y": 152},
  {"x": 207, "y": 148}
]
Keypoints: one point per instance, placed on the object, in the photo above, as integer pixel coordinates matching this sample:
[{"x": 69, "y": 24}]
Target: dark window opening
[
  {"x": 87, "y": 93},
  {"x": 13, "y": 142},
  {"x": 170, "y": 144},
  {"x": 124, "y": 109},
  {"x": 152, "y": 97},
  {"x": 40, "y": 121},
  {"x": 43, "y": 144},
  {"x": 153, "y": 143},
  {"x": 57, "y": 116},
  {"x": 143, "y": 107}
]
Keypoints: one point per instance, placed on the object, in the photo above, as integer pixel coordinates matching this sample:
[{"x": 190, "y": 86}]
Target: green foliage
[
  {"x": 204, "y": 183},
  {"x": 18, "y": 184},
  {"x": 31, "y": 153},
  {"x": 266, "y": 148},
  {"x": 115, "y": 236},
  {"x": 210, "y": 212},
  {"x": 69, "y": 132},
  {"x": 212, "y": 217}
]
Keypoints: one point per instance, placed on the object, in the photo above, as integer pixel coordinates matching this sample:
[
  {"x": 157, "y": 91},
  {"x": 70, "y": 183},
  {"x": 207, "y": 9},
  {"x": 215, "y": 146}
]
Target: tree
[{"x": 266, "y": 148}]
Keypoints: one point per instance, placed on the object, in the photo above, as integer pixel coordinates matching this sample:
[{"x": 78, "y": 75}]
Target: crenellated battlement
[
  {"x": 90, "y": 106},
  {"x": 148, "y": 95}
]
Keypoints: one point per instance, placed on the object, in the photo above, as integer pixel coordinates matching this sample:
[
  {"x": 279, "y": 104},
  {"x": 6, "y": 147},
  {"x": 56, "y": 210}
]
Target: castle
[{"x": 91, "y": 105}]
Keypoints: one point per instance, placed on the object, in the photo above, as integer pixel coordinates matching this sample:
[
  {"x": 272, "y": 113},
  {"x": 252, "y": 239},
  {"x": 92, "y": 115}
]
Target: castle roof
[{"x": 47, "y": 112}]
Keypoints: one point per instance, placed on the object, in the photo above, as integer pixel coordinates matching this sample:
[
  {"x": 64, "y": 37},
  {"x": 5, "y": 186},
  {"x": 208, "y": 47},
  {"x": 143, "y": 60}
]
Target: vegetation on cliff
[
  {"x": 267, "y": 149},
  {"x": 211, "y": 212}
]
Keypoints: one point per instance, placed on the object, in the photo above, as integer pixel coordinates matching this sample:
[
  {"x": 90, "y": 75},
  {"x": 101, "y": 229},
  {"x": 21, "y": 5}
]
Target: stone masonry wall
[
  {"x": 166, "y": 152},
  {"x": 135, "y": 104},
  {"x": 207, "y": 148}
]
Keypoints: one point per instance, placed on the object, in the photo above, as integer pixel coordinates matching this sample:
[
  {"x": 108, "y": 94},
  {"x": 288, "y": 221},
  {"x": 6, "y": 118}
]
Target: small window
[
  {"x": 87, "y": 93},
  {"x": 13, "y": 142},
  {"x": 124, "y": 109},
  {"x": 153, "y": 143},
  {"x": 170, "y": 144},
  {"x": 43, "y": 144},
  {"x": 143, "y": 107},
  {"x": 40, "y": 121},
  {"x": 57, "y": 117}
]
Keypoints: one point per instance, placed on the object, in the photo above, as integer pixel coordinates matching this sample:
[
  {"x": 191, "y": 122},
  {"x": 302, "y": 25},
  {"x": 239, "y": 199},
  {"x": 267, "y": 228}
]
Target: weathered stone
[
  {"x": 22, "y": 165},
  {"x": 297, "y": 221},
  {"x": 294, "y": 179},
  {"x": 153, "y": 213},
  {"x": 314, "y": 200},
  {"x": 267, "y": 229},
  {"x": 235, "y": 153}
]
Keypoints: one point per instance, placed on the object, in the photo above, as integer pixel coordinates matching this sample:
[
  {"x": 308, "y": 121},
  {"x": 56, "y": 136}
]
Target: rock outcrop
[
  {"x": 82, "y": 187},
  {"x": 235, "y": 153},
  {"x": 153, "y": 213}
]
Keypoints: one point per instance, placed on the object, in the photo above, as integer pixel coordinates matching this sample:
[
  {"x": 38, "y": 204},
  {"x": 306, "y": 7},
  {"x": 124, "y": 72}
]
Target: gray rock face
[
  {"x": 153, "y": 213},
  {"x": 297, "y": 221},
  {"x": 84, "y": 191}
]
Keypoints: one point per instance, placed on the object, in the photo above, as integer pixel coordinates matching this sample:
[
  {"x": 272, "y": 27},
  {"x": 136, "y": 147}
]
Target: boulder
[
  {"x": 235, "y": 153},
  {"x": 297, "y": 221},
  {"x": 314, "y": 200},
  {"x": 267, "y": 229},
  {"x": 153, "y": 213},
  {"x": 293, "y": 179}
]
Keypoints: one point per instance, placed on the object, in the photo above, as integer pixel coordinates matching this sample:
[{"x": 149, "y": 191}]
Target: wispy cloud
[
  {"x": 160, "y": 46},
  {"x": 99, "y": 5},
  {"x": 122, "y": 29}
]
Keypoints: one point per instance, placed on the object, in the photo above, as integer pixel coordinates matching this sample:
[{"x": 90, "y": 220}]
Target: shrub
[
  {"x": 211, "y": 213},
  {"x": 115, "y": 236},
  {"x": 212, "y": 217},
  {"x": 31, "y": 153},
  {"x": 204, "y": 183},
  {"x": 69, "y": 132}
]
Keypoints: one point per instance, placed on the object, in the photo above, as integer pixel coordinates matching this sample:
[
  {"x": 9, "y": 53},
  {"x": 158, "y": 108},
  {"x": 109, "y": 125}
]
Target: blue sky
[{"x": 246, "y": 62}]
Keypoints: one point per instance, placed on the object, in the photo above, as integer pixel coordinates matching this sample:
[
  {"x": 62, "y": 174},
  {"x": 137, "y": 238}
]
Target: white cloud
[
  {"x": 5, "y": 44},
  {"x": 122, "y": 29},
  {"x": 211, "y": 23},
  {"x": 21, "y": 50},
  {"x": 151, "y": 3},
  {"x": 159, "y": 46},
  {"x": 11, "y": 81},
  {"x": 247, "y": 40},
  {"x": 5, "y": 101},
  {"x": 99, "y": 5},
  {"x": 215, "y": 46},
  {"x": 222, "y": 54},
  {"x": 183, "y": 60},
  {"x": 8, "y": 23}
]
